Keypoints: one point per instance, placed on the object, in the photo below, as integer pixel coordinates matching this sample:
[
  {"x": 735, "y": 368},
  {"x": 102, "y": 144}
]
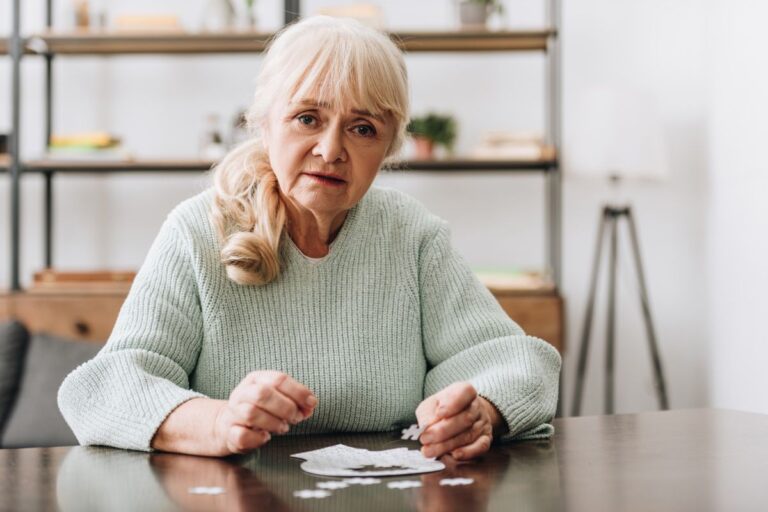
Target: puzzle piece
[
  {"x": 404, "y": 484},
  {"x": 412, "y": 433},
  {"x": 206, "y": 490},
  {"x": 456, "y": 481},
  {"x": 311, "y": 493},
  {"x": 332, "y": 484},
  {"x": 362, "y": 481}
]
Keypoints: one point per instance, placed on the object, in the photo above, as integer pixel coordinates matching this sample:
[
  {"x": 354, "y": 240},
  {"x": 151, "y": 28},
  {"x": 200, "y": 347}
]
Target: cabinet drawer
[{"x": 88, "y": 317}]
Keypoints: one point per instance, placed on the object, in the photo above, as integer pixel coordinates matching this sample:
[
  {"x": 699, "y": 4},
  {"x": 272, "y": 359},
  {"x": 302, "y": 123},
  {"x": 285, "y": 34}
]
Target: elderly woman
[{"x": 295, "y": 298}]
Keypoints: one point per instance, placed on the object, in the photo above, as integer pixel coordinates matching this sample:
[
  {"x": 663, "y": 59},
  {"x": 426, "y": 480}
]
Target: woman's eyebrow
[
  {"x": 368, "y": 114},
  {"x": 309, "y": 102}
]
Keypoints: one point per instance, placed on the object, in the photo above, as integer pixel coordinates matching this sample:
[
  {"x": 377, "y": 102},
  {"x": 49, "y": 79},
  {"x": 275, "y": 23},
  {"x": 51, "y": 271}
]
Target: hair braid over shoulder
[{"x": 249, "y": 215}]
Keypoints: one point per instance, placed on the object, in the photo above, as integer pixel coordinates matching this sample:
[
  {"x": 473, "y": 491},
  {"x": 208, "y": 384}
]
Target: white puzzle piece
[
  {"x": 311, "y": 493},
  {"x": 412, "y": 433},
  {"x": 206, "y": 490},
  {"x": 332, "y": 485},
  {"x": 342, "y": 460},
  {"x": 362, "y": 481},
  {"x": 404, "y": 484},
  {"x": 456, "y": 481}
]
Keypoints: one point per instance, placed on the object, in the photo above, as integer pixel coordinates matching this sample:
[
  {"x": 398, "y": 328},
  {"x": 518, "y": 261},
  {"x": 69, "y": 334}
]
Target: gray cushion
[
  {"x": 13, "y": 344},
  {"x": 35, "y": 419}
]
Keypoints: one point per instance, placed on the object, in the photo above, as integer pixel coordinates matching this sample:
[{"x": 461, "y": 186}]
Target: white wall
[
  {"x": 158, "y": 105},
  {"x": 738, "y": 213}
]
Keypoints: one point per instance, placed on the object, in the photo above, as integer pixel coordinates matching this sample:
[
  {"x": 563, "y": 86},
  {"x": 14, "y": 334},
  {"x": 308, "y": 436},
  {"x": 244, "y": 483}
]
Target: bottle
[
  {"x": 239, "y": 131},
  {"x": 80, "y": 14},
  {"x": 212, "y": 147}
]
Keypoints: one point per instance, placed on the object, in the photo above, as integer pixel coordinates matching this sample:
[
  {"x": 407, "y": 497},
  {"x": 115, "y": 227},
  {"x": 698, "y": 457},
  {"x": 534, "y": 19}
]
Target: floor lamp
[{"x": 619, "y": 138}]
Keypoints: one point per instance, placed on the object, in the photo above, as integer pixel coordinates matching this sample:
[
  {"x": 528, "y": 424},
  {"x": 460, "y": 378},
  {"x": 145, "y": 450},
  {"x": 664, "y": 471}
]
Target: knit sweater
[{"x": 392, "y": 315}]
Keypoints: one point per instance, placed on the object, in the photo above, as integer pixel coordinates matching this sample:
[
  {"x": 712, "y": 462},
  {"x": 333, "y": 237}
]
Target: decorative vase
[
  {"x": 218, "y": 15},
  {"x": 424, "y": 148},
  {"x": 473, "y": 15}
]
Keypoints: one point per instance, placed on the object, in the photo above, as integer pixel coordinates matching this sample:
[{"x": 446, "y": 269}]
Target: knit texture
[{"x": 393, "y": 314}]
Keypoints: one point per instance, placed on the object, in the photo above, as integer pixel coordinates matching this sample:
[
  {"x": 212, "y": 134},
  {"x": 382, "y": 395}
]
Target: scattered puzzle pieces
[
  {"x": 342, "y": 460},
  {"x": 413, "y": 432},
  {"x": 404, "y": 484},
  {"x": 456, "y": 481},
  {"x": 206, "y": 490},
  {"x": 332, "y": 484},
  {"x": 311, "y": 493}
]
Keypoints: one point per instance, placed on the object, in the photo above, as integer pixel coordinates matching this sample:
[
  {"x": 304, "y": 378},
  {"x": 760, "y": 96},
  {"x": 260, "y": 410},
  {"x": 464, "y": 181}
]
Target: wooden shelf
[
  {"x": 132, "y": 43},
  {"x": 191, "y": 165},
  {"x": 474, "y": 41},
  {"x": 108, "y": 166}
]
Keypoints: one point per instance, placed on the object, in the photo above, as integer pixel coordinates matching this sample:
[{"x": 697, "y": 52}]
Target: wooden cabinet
[{"x": 538, "y": 315}]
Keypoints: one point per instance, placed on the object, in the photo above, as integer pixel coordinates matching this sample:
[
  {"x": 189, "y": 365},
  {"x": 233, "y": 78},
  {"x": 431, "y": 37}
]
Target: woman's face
[{"x": 324, "y": 159}]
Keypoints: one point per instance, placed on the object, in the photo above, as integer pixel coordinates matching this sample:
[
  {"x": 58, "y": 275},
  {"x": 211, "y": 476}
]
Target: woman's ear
[{"x": 263, "y": 128}]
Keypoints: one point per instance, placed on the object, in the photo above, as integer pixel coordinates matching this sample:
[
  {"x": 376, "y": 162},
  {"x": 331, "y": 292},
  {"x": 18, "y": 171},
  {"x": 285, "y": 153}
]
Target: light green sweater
[{"x": 391, "y": 315}]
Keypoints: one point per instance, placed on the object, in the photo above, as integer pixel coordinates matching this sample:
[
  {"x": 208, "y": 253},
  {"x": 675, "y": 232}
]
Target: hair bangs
[{"x": 342, "y": 74}]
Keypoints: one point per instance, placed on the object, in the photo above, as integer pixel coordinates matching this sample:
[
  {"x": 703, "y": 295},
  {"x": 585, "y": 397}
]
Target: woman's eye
[
  {"x": 365, "y": 130},
  {"x": 306, "y": 119}
]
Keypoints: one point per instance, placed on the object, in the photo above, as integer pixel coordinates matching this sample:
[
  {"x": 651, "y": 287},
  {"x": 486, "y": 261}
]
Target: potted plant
[
  {"x": 249, "y": 15},
  {"x": 473, "y": 14},
  {"x": 431, "y": 130}
]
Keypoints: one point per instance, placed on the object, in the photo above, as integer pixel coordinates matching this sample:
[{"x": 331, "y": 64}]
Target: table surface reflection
[{"x": 678, "y": 460}]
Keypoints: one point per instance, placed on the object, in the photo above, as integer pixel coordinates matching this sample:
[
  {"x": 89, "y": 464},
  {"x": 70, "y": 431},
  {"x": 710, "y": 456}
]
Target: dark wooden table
[{"x": 696, "y": 460}]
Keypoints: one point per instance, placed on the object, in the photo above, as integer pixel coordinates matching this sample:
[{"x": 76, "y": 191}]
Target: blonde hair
[{"x": 334, "y": 61}]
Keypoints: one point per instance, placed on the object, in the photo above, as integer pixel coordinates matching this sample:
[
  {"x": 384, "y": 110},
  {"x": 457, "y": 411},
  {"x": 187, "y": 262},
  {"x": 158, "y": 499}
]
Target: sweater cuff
[
  {"x": 522, "y": 414},
  {"x": 115, "y": 402}
]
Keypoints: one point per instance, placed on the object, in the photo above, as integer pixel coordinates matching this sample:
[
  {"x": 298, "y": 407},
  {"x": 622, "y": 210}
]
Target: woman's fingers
[
  {"x": 242, "y": 439},
  {"x": 450, "y": 427},
  {"x": 481, "y": 445},
  {"x": 275, "y": 393},
  {"x": 271, "y": 400},
  {"x": 301, "y": 395},
  {"x": 454, "y": 399},
  {"x": 251, "y": 416},
  {"x": 447, "y": 402},
  {"x": 465, "y": 438}
]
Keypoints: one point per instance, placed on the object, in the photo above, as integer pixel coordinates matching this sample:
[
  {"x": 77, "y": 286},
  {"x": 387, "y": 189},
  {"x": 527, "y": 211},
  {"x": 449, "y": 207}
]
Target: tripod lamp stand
[{"x": 619, "y": 138}]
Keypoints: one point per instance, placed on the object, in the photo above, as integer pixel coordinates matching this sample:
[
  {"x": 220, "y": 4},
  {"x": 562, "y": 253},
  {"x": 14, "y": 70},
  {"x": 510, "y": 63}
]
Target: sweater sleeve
[
  {"x": 120, "y": 397},
  {"x": 467, "y": 336}
]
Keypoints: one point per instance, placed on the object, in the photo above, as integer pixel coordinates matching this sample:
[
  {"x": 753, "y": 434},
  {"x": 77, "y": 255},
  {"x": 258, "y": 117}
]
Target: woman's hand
[
  {"x": 458, "y": 422},
  {"x": 264, "y": 403}
]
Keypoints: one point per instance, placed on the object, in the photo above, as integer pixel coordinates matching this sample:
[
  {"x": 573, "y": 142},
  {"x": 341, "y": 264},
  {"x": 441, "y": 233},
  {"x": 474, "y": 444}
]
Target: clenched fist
[
  {"x": 264, "y": 403},
  {"x": 458, "y": 421}
]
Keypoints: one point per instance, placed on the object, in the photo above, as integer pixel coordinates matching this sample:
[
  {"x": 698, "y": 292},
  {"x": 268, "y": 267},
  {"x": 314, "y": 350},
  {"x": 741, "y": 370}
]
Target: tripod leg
[
  {"x": 587, "y": 327},
  {"x": 661, "y": 389},
  {"x": 611, "y": 320}
]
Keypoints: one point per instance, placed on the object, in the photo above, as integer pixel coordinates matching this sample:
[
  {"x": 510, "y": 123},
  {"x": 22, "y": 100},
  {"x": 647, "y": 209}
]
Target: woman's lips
[{"x": 327, "y": 179}]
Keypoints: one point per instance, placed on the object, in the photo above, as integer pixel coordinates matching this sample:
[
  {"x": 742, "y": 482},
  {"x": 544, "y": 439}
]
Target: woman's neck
[{"x": 313, "y": 232}]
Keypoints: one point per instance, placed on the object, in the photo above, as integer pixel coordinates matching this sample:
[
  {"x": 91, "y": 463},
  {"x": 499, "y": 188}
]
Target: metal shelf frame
[{"x": 50, "y": 43}]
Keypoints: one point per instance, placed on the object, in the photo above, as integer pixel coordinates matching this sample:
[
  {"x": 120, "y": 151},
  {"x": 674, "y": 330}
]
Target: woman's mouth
[{"x": 327, "y": 179}]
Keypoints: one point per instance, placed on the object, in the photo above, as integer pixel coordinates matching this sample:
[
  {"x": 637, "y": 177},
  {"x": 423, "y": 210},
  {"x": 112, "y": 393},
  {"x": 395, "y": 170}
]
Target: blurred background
[{"x": 702, "y": 220}]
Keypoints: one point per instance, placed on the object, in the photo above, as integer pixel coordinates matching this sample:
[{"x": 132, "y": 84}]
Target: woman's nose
[{"x": 330, "y": 146}]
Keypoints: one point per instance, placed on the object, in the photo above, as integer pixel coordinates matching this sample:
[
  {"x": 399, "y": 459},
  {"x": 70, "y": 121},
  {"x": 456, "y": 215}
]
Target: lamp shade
[{"x": 616, "y": 132}]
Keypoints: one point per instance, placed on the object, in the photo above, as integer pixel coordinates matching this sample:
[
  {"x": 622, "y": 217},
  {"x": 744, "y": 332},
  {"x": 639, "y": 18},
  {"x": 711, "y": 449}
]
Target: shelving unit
[
  {"x": 460, "y": 165},
  {"x": 50, "y": 43}
]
